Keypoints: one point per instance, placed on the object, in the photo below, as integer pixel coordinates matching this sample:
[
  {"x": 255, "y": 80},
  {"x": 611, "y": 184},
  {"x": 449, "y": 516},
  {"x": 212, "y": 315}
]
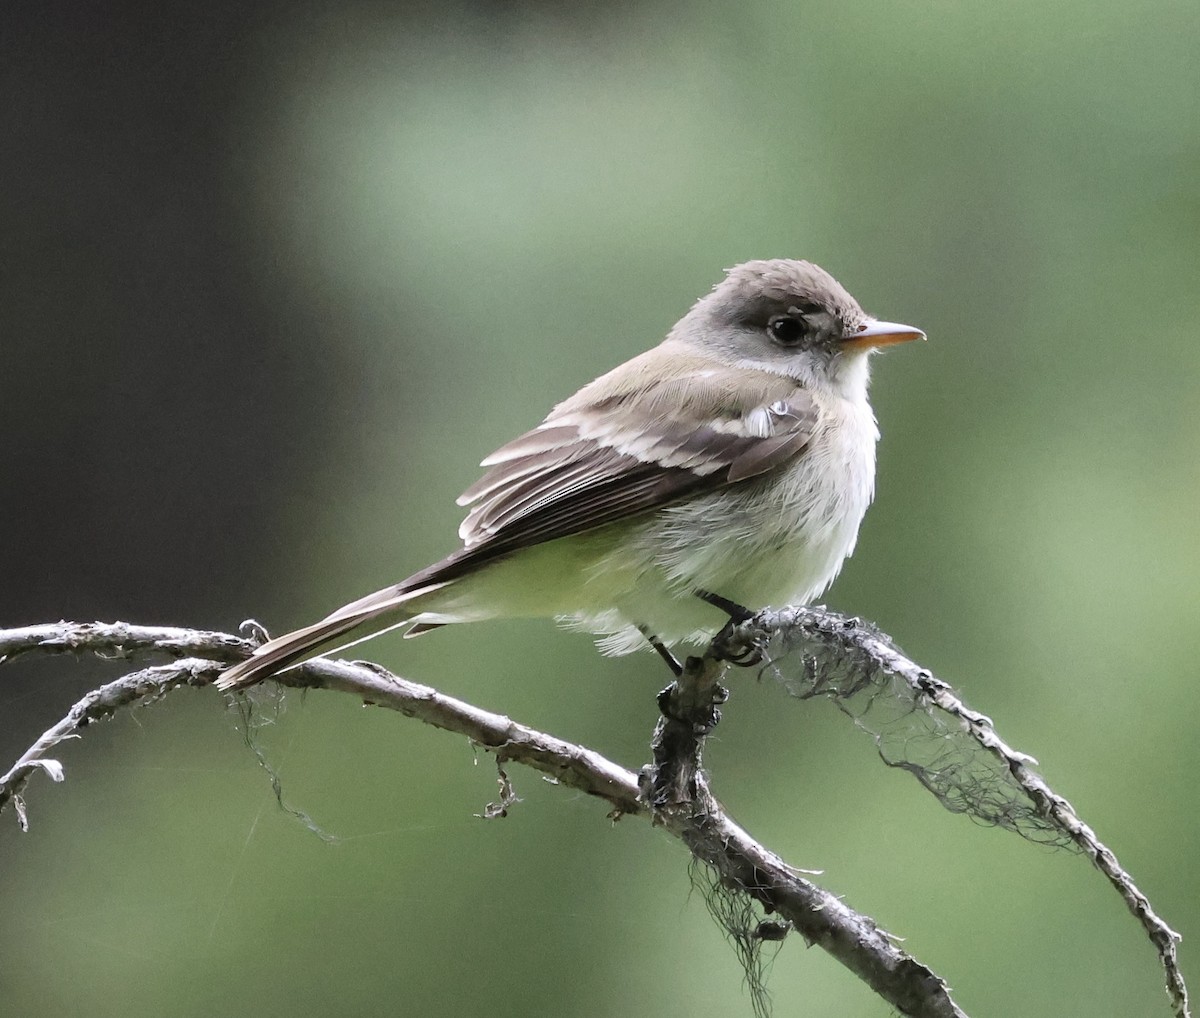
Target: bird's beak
[{"x": 880, "y": 334}]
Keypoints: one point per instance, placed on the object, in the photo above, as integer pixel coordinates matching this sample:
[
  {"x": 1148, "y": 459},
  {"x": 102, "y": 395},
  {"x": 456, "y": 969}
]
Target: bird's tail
[{"x": 387, "y": 608}]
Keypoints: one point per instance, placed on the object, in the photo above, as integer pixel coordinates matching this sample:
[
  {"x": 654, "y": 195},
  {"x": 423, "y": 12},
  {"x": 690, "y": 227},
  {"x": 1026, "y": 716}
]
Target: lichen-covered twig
[
  {"x": 816, "y": 652},
  {"x": 810, "y": 650},
  {"x": 823, "y": 919}
]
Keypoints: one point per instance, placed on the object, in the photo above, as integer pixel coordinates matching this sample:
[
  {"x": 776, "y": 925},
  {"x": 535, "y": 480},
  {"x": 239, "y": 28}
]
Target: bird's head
[{"x": 792, "y": 318}]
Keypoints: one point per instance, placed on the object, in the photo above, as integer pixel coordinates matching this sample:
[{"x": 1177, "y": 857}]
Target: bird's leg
[
  {"x": 660, "y": 648},
  {"x": 726, "y": 644},
  {"x": 736, "y": 612}
]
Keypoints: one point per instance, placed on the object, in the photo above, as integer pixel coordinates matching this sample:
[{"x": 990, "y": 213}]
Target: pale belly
[{"x": 780, "y": 542}]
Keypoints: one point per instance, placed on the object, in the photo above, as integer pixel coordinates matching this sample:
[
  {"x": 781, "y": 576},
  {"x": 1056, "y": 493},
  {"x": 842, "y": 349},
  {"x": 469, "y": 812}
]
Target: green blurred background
[{"x": 276, "y": 277}]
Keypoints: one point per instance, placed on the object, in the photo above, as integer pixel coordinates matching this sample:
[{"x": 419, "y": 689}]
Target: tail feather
[{"x": 280, "y": 653}]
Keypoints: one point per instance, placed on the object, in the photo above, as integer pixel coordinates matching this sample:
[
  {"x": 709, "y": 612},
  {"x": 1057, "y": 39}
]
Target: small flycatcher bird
[{"x": 724, "y": 470}]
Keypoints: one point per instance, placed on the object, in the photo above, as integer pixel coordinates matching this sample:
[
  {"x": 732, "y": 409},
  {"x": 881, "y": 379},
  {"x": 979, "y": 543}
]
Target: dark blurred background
[{"x": 273, "y": 278}]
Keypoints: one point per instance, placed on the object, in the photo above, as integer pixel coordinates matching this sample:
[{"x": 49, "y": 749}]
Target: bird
[{"x": 725, "y": 470}]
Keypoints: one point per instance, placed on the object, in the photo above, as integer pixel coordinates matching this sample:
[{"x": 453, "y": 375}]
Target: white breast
[
  {"x": 779, "y": 540},
  {"x": 784, "y": 538}
]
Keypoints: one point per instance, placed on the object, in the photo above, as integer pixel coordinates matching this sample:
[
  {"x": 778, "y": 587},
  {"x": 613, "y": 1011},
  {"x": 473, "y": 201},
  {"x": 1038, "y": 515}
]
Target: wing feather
[
  {"x": 538, "y": 440},
  {"x": 595, "y": 462}
]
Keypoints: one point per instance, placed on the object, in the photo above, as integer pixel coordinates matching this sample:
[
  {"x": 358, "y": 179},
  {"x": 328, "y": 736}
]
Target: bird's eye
[{"x": 787, "y": 330}]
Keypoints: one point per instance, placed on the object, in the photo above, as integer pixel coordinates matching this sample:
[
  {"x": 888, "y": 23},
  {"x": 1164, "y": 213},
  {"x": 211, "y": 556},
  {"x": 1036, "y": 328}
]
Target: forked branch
[{"x": 811, "y": 651}]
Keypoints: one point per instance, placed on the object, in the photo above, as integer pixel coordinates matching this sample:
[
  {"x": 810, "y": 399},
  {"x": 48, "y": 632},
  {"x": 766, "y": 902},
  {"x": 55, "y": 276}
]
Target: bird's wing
[
  {"x": 619, "y": 448},
  {"x": 606, "y": 456}
]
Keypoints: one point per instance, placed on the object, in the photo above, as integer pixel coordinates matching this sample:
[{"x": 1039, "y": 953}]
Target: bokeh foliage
[{"x": 439, "y": 221}]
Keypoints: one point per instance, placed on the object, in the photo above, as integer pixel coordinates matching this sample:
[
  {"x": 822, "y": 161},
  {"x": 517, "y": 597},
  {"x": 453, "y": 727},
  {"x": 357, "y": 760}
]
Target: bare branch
[
  {"x": 119, "y": 640},
  {"x": 803, "y": 647},
  {"x": 853, "y": 939},
  {"x": 817, "y": 652},
  {"x": 566, "y": 762},
  {"x": 678, "y": 789},
  {"x": 136, "y": 687}
]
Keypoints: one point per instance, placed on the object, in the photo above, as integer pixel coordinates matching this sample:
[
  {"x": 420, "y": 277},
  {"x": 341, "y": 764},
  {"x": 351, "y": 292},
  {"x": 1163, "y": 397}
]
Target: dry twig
[{"x": 673, "y": 792}]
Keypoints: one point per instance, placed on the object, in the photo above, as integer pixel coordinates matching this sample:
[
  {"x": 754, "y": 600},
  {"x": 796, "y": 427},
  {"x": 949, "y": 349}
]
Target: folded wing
[
  {"x": 600, "y": 461},
  {"x": 609, "y": 453}
]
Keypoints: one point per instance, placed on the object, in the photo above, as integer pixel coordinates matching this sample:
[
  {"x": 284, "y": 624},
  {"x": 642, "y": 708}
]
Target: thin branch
[
  {"x": 864, "y": 652},
  {"x": 852, "y": 938},
  {"x": 677, "y": 787},
  {"x": 811, "y": 642},
  {"x": 119, "y": 640},
  {"x": 137, "y": 687}
]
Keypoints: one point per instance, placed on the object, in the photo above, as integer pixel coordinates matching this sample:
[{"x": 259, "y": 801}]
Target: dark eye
[{"x": 786, "y": 330}]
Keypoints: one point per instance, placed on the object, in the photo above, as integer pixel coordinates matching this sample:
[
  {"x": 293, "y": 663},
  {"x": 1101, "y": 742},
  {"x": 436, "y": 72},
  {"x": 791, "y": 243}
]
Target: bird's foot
[{"x": 734, "y": 645}]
